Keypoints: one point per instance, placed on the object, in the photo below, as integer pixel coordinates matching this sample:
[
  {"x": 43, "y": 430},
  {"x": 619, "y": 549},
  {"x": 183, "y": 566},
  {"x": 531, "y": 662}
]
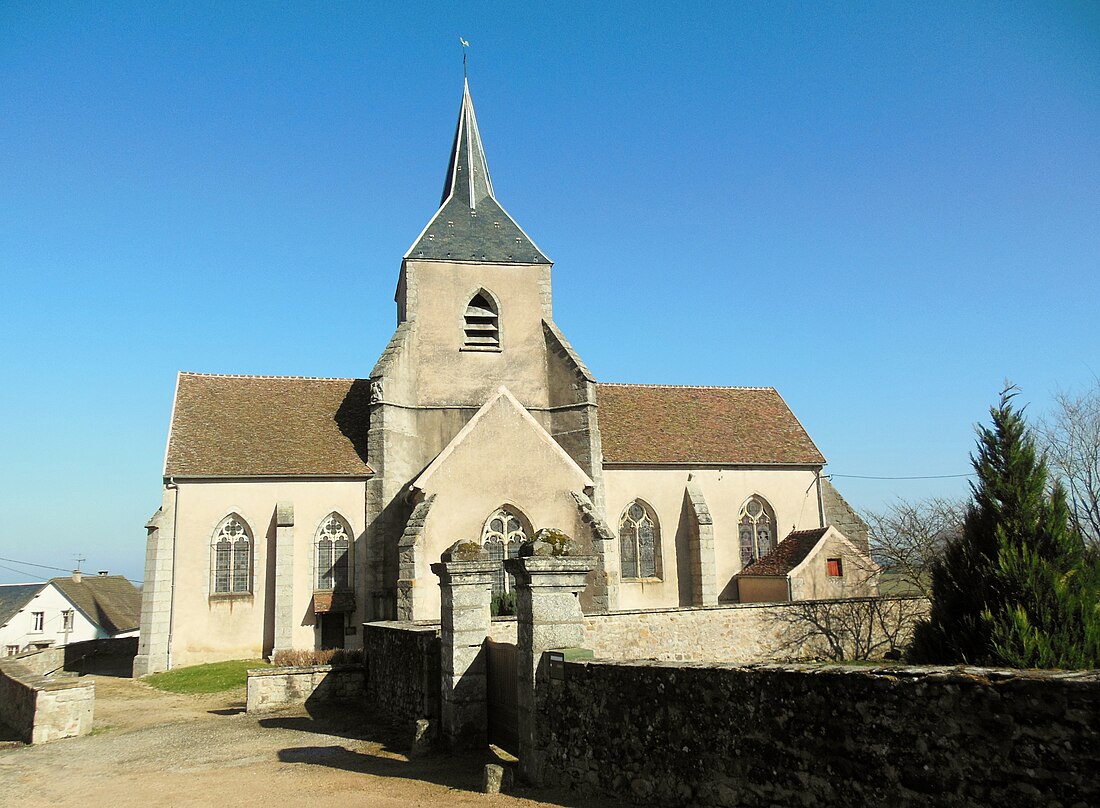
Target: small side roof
[
  {"x": 14, "y": 597},
  {"x": 109, "y": 601},
  {"x": 786, "y": 555},
  {"x": 256, "y": 426},
  {"x": 654, "y": 424}
]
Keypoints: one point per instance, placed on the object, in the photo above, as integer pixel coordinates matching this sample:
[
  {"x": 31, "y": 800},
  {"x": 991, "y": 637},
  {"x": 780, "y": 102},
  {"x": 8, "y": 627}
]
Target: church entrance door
[{"x": 332, "y": 630}]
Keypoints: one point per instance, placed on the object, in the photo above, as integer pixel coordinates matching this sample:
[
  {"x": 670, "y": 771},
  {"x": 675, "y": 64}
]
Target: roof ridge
[
  {"x": 688, "y": 386},
  {"x": 267, "y": 376}
]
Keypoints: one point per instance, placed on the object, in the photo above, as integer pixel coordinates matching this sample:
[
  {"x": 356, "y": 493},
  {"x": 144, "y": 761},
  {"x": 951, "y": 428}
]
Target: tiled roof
[
  {"x": 641, "y": 423},
  {"x": 254, "y": 426},
  {"x": 786, "y": 555},
  {"x": 14, "y": 597},
  {"x": 109, "y": 601}
]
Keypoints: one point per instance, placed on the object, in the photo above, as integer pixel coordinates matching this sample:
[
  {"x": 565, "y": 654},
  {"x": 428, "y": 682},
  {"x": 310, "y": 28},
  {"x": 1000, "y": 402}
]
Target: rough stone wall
[
  {"x": 271, "y": 688},
  {"x": 403, "y": 671},
  {"x": 816, "y": 736},
  {"x": 41, "y": 709},
  {"x": 739, "y": 633},
  {"x": 843, "y": 517}
]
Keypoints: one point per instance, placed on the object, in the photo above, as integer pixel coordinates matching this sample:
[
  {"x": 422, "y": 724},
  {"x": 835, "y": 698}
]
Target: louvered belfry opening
[{"x": 482, "y": 324}]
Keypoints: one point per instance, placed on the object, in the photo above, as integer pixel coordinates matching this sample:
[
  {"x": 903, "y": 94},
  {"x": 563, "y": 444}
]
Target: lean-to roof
[{"x": 786, "y": 555}]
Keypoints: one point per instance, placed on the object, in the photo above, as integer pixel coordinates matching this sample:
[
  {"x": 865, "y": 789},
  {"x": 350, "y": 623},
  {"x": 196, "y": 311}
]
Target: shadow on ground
[{"x": 461, "y": 772}]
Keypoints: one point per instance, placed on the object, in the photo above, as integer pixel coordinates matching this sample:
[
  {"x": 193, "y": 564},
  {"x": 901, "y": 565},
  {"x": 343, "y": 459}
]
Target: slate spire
[{"x": 470, "y": 224}]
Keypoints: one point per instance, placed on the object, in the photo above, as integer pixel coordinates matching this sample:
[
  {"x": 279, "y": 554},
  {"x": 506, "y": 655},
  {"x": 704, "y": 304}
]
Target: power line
[
  {"x": 29, "y": 564},
  {"x": 925, "y": 477}
]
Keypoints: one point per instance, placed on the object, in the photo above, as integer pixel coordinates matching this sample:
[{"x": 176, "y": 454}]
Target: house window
[
  {"x": 482, "y": 324},
  {"x": 67, "y": 620},
  {"x": 11, "y": 650},
  {"x": 502, "y": 536},
  {"x": 834, "y": 567},
  {"x": 333, "y": 554},
  {"x": 39, "y": 619},
  {"x": 232, "y": 551},
  {"x": 639, "y": 542},
  {"x": 756, "y": 530}
]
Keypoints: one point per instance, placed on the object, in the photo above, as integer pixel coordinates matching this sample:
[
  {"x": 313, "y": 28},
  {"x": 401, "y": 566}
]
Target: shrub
[{"x": 301, "y": 657}]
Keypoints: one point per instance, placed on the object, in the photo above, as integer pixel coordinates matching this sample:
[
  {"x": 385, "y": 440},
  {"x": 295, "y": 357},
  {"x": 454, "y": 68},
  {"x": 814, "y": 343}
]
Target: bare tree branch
[
  {"x": 1071, "y": 438},
  {"x": 908, "y": 536}
]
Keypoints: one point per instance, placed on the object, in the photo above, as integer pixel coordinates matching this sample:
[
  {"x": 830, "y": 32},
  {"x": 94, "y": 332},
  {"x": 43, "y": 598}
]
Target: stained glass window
[
  {"x": 333, "y": 554},
  {"x": 639, "y": 542},
  {"x": 232, "y": 549},
  {"x": 502, "y": 537},
  {"x": 756, "y": 530}
]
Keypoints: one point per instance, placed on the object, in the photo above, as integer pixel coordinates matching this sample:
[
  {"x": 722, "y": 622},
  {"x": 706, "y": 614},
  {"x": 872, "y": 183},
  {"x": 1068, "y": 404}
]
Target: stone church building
[{"x": 295, "y": 509}]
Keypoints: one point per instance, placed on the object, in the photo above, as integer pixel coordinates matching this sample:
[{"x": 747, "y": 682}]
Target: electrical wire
[{"x": 925, "y": 477}]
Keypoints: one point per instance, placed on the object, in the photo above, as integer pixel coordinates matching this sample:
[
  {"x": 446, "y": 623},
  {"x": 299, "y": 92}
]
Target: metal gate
[{"x": 503, "y": 706}]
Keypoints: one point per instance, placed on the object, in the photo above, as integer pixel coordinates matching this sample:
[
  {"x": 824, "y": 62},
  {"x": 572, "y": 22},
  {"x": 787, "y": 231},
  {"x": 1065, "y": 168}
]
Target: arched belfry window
[
  {"x": 639, "y": 542},
  {"x": 231, "y": 547},
  {"x": 504, "y": 533},
  {"x": 756, "y": 529},
  {"x": 482, "y": 323},
  {"x": 333, "y": 554}
]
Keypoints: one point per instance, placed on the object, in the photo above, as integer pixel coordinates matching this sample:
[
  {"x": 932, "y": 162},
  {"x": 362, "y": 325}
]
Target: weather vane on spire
[{"x": 465, "y": 45}]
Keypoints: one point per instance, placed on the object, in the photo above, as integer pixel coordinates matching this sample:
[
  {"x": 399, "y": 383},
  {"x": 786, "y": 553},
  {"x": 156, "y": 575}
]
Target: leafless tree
[
  {"x": 907, "y": 537},
  {"x": 1071, "y": 437},
  {"x": 851, "y": 629}
]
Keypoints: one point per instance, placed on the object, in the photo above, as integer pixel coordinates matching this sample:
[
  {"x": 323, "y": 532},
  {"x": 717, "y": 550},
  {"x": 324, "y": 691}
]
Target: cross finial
[{"x": 465, "y": 45}]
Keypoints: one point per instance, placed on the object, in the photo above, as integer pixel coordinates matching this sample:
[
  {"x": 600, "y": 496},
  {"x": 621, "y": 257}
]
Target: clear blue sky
[{"x": 883, "y": 210}]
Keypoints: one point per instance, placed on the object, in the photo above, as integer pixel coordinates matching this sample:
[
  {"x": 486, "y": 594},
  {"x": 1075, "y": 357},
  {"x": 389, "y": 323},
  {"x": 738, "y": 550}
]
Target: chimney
[
  {"x": 76, "y": 576},
  {"x": 103, "y": 573}
]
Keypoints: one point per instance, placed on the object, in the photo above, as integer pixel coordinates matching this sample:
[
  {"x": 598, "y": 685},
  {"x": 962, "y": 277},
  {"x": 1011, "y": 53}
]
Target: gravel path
[{"x": 150, "y": 748}]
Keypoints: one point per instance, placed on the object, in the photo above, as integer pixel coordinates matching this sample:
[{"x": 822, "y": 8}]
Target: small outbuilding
[{"x": 813, "y": 564}]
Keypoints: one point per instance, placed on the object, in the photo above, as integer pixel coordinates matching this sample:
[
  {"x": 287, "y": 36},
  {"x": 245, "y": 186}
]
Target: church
[{"x": 295, "y": 509}]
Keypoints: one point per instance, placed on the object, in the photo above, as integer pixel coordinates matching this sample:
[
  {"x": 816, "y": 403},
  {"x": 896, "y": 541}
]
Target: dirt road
[{"x": 150, "y": 748}]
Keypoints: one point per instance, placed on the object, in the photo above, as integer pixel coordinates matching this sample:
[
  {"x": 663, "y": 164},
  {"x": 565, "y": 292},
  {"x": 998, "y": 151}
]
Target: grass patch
[{"x": 213, "y": 678}]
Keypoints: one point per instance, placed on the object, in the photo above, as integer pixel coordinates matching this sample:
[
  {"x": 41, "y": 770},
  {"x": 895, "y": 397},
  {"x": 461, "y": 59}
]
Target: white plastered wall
[
  {"x": 792, "y": 493},
  {"x": 207, "y": 629},
  {"x": 859, "y": 574},
  {"x": 19, "y": 630}
]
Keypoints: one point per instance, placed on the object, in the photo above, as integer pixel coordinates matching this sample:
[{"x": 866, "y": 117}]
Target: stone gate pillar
[
  {"x": 549, "y": 616},
  {"x": 284, "y": 578},
  {"x": 466, "y": 580}
]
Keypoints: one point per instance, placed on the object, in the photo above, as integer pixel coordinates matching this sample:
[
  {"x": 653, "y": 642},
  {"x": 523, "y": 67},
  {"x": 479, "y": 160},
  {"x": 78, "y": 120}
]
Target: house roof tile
[
  {"x": 786, "y": 555},
  {"x": 255, "y": 426},
  {"x": 641, "y": 423},
  {"x": 14, "y": 597},
  {"x": 109, "y": 601}
]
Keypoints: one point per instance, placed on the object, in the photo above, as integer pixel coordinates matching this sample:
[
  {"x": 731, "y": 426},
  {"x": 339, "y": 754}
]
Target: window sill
[
  {"x": 481, "y": 348},
  {"x": 642, "y": 580},
  {"x": 221, "y": 596}
]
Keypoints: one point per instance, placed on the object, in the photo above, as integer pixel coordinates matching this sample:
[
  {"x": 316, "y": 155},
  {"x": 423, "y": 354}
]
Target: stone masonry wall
[
  {"x": 815, "y": 736},
  {"x": 272, "y": 688},
  {"x": 40, "y": 709},
  {"x": 403, "y": 671},
  {"x": 738, "y": 633}
]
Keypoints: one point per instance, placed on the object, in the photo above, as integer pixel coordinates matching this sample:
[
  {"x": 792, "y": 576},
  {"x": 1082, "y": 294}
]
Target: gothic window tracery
[
  {"x": 232, "y": 550},
  {"x": 504, "y": 533},
  {"x": 639, "y": 542},
  {"x": 333, "y": 554},
  {"x": 756, "y": 530}
]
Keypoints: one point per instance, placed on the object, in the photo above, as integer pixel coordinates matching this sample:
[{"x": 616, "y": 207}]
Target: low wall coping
[
  {"x": 404, "y": 625},
  {"x": 294, "y": 669},
  {"x": 955, "y": 674},
  {"x": 733, "y": 605}
]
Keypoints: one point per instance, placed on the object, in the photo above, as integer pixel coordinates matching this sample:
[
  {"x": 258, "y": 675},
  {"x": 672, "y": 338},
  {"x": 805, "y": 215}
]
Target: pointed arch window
[
  {"x": 504, "y": 533},
  {"x": 482, "y": 324},
  {"x": 639, "y": 542},
  {"x": 756, "y": 530},
  {"x": 333, "y": 544},
  {"x": 231, "y": 548}
]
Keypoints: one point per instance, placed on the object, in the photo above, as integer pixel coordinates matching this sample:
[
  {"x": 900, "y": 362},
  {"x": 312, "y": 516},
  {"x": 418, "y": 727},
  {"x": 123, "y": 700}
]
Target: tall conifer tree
[{"x": 1016, "y": 588}]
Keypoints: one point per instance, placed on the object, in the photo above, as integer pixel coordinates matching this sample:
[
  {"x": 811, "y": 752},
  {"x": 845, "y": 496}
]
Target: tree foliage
[{"x": 1016, "y": 588}]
